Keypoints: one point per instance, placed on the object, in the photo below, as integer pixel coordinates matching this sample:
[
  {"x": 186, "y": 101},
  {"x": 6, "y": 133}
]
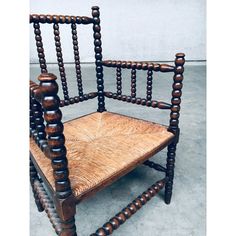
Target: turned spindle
[
  {"x": 133, "y": 83},
  {"x": 98, "y": 58},
  {"x": 118, "y": 81},
  {"x": 174, "y": 123},
  {"x": 40, "y": 49},
  {"x": 77, "y": 59},
  {"x": 60, "y": 62},
  {"x": 149, "y": 82}
]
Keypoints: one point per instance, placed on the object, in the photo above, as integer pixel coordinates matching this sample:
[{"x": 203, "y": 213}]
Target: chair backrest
[
  {"x": 73, "y": 21},
  {"x": 177, "y": 70}
]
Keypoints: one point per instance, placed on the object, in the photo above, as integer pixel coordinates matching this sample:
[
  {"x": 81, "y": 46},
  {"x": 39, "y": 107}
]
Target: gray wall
[{"x": 131, "y": 30}]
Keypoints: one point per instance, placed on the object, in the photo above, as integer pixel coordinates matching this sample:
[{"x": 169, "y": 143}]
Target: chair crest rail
[{"x": 61, "y": 19}]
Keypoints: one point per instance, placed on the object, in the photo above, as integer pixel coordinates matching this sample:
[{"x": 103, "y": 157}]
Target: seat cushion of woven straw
[{"x": 101, "y": 147}]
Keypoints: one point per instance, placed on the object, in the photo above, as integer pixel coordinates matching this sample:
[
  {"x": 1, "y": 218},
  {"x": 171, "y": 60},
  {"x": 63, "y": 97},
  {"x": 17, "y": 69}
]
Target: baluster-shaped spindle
[
  {"x": 118, "y": 80},
  {"x": 98, "y": 57},
  {"x": 133, "y": 83},
  {"x": 65, "y": 203},
  {"x": 60, "y": 62},
  {"x": 174, "y": 123},
  {"x": 40, "y": 50},
  {"x": 77, "y": 59},
  {"x": 149, "y": 82}
]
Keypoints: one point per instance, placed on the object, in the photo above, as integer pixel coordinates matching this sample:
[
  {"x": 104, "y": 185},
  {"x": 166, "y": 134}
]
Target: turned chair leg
[
  {"x": 170, "y": 165},
  {"x": 68, "y": 228},
  {"x": 33, "y": 176}
]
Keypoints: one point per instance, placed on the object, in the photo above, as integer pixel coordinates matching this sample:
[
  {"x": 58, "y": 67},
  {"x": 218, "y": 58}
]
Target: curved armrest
[{"x": 139, "y": 65}]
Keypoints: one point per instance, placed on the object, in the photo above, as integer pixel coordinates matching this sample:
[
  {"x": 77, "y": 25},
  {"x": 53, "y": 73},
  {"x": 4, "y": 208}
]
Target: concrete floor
[{"x": 186, "y": 215}]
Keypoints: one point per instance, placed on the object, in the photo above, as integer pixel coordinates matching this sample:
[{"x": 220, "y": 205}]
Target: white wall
[{"x": 131, "y": 29}]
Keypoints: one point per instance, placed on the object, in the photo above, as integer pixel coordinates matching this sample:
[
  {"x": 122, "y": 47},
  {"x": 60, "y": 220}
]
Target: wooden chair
[{"x": 69, "y": 162}]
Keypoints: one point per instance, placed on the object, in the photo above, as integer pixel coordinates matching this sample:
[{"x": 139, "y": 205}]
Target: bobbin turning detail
[{"x": 71, "y": 161}]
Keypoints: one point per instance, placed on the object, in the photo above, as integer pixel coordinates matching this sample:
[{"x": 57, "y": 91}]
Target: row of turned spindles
[
  {"x": 138, "y": 101},
  {"x": 61, "y": 19},
  {"x": 133, "y": 83},
  {"x": 120, "y": 218},
  {"x": 98, "y": 58}
]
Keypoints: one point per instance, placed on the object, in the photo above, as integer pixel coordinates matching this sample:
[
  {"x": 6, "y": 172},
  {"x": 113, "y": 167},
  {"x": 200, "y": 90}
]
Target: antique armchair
[{"x": 69, "y": 162}]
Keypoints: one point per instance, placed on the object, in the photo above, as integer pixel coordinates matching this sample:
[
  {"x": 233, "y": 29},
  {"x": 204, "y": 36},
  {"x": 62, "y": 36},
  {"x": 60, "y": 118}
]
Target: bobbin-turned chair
[{"x": 69, "y": 162}]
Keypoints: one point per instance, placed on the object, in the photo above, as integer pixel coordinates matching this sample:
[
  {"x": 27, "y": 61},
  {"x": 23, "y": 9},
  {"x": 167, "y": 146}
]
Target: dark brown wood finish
[
  {"x": 37, "y": 127},
  {"x": 139, "y": 101},
  {"x": 98, "y": 57},
  {"x": 64, "y": 200},
  {"x": 155, "y": 166},
  {"x": 36, "y": 18},
  {"x": 77, "y": 59},
  {"x": 174, "y": 123},
  {"x": 47, "y": 205},
  {"x": 133, "y": 84},
  {"x": 40, "y": 49},
  {"x": 149, "y": 83},
  {"x": 44, "y": 109},
  {"x": 121, "y": 217},
  {"x": 78, "y": 99},
  {"x": 139, "y": 65},
  {"x": 33, "y": 178},
  {"x": 118, "y": 81},
  {"x": 60, "y": 62}
]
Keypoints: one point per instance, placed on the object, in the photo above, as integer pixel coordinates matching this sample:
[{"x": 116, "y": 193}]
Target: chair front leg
[
  {"x": 33, "y": 177},
  {"x": 68, "y": 228},
  {"x": 170, "y": 165}
]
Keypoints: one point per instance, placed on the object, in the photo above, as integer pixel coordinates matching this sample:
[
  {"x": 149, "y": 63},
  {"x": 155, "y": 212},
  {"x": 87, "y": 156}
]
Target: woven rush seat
[{"x": 101, "y": 147}]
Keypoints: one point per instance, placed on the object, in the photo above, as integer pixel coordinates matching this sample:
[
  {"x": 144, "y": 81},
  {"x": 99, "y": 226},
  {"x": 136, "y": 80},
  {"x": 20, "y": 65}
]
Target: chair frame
[{"x": 60, "y": 205}]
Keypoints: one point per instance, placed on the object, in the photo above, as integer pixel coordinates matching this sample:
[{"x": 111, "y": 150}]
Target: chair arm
[{"x": 139, "y": 65}]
